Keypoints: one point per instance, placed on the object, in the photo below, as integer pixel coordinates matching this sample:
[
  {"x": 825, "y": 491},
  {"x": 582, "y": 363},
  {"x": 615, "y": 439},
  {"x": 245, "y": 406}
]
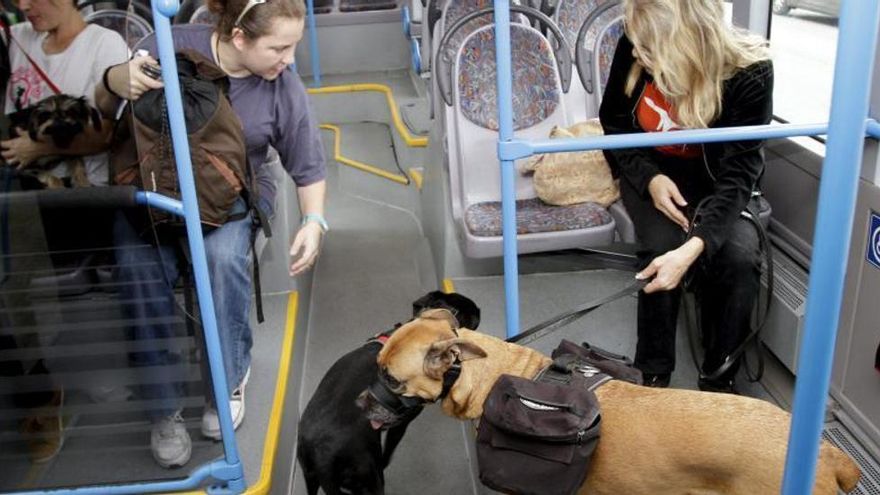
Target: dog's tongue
[{"x": 377, "y": 425}]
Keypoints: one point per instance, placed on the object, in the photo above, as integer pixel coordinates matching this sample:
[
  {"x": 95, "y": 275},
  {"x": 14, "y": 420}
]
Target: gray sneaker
[
  {"x": 170, "y": 442},
  {"x": 210, "y": 419}
]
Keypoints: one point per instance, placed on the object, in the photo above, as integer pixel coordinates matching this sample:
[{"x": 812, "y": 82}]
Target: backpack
[
  {"x": 536, "y": 437},
  {"x": 143, "y": 156}
]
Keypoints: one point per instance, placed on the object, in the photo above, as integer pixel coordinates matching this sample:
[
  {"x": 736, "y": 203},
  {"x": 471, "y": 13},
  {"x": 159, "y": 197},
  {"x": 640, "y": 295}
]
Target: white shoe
[
  {"x": 170, "y": 442},
  {"x": 210, "y": 419}
]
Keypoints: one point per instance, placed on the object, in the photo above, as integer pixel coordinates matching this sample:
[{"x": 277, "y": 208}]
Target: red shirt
[{"x": 655, "y": 114}]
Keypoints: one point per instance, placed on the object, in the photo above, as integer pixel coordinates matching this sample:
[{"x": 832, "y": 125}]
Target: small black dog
[
  {"x": 58, "y": 119},
  {"x": 338, "y": 449}
]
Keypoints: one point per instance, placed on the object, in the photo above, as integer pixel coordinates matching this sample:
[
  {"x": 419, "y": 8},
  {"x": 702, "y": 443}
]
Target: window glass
[{"x": 803, "y": 40}]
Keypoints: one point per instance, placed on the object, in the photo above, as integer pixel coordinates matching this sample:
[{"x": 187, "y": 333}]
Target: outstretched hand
[
  {"x": 668, "y": 199},
  {"x": 305, "y": 248}
]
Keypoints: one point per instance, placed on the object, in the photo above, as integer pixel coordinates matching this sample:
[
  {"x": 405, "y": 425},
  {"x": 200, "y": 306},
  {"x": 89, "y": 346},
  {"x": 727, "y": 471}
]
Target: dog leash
[{"x": 561, "y": 320}]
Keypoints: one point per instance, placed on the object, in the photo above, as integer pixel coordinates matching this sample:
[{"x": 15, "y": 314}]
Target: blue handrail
[
  {"x": 508, "y": 177},
  {"x": 163, "y": 10},
  {"x": 313, "y": 43},
  {"x": 856, "y": 46},
  {"x": 516, "y": 149}
]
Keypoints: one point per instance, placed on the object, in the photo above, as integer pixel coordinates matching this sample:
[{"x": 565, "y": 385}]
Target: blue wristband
[{"x": 317, "y": 218}]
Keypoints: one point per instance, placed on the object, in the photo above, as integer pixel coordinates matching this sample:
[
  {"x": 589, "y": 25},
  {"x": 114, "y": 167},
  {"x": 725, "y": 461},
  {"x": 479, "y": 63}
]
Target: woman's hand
[
  {"x": 668, "y": 269},
  {"x": 129, "y": 81},
  {"x": 667, "y": 198},
  {"x": 21, "y": 151},
  {"x": 306, "y": 244}
]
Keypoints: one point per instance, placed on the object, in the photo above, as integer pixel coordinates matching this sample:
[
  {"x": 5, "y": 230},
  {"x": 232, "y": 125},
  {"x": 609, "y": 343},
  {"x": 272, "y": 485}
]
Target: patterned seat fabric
[
  {"x": 535, "y": 87},
  {"x": 607, "y": 43},
  {"x": 571, "y": 14},
  {"x": 534, "y": 216},
  {"x": 455, "y": 10}
]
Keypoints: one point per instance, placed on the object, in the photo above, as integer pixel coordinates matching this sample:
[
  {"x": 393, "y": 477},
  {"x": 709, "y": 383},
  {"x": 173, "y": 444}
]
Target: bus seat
[
  {"x": 473, "y": 135},
  {"x": 452, "y": 11},
  {"x": 594, "y": 50},
  {"x": 569, "y": 16},
  {"x": 366, "y": 5},
  {"x": 129, "y": 25},
  {"x": 203, "y": 16},
  {"x": 430, "y": 17}
]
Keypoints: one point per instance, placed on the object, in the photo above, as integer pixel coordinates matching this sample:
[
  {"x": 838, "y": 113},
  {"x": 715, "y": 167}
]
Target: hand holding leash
[{"x": 668, "y": 269}]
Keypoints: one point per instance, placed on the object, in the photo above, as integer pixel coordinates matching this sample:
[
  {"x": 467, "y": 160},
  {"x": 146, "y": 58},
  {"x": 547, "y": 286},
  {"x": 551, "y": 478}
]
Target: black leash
[
  {"x": 544, "y": 328},
  {"x": 754, "y": 336}
]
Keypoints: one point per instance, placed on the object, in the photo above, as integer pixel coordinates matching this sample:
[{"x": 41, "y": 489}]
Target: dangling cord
[{"x": 761, "y": 317}]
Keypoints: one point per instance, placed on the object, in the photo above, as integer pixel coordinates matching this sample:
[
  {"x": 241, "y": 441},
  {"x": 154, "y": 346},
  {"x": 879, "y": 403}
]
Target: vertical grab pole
[
  {"x": 313, "y": 43},
  {"x": 837, "y": 198},
  {"x": 508, "y": 178},
  {"x": 162, "y": 12}
]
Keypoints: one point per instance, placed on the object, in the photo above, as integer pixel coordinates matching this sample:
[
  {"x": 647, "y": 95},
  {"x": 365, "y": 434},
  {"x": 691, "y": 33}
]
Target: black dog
[
  {"x": 58, "y": 120},
  {"x": 338, "y": 449}
]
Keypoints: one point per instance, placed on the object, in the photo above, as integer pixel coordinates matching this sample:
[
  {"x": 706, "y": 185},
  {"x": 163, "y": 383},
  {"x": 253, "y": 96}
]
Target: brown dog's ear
[
  {"x": 441, "y": 314},
  {"x": 442, "y": 354}
]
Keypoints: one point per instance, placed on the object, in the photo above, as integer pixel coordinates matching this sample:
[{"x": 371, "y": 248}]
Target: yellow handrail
[
  {"x": 337, "y": 155},
  {"x": 413, "y": 141}
]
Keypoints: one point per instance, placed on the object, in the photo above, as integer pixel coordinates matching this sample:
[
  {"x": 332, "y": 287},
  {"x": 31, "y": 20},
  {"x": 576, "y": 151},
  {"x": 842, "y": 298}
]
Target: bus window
[{"x": 804, "y": 44}]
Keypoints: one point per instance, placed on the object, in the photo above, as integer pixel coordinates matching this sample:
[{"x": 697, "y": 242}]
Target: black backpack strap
[{"x": 258, "y": 293}]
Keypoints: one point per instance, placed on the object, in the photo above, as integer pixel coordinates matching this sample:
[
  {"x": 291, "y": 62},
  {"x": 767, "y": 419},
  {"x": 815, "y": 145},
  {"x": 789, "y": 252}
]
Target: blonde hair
[{"x": 690, "y": 52}]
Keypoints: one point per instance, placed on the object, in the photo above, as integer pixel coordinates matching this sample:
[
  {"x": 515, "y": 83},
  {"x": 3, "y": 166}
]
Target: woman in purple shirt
[{"x": 253, "y": 43}]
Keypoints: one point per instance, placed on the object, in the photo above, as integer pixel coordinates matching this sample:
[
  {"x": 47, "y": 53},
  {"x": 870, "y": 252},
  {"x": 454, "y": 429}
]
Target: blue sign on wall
[{"x": 873, "y": 254}]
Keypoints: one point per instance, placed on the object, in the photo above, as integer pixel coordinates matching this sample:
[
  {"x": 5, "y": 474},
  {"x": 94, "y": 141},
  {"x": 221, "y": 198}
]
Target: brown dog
[{"x": 653, "y": 441}]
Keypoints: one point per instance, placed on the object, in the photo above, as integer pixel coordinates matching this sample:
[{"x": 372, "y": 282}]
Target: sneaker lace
[{"x": 168, "y": 426}]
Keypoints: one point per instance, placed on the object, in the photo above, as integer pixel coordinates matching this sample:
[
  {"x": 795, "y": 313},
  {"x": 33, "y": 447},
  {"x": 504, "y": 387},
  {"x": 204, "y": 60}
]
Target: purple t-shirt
[{"x": 276, "y": 113}]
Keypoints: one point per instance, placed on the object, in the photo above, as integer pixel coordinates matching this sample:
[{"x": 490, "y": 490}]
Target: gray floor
[
  {"x": 365, "y": 281},
  {"x": 370, "y": 272}
]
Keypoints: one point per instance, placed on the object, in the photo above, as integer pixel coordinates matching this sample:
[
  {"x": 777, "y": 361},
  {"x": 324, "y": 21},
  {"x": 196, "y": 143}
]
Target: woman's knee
[{"x": 742, "y": 251}]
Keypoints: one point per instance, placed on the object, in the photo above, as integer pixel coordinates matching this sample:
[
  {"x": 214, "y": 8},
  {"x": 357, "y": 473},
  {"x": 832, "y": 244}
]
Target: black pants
[{"x": 726, "y": 288}]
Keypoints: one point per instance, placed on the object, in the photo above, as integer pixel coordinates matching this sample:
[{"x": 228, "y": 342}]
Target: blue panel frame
[
  {"x": 837, "y": 196},
  {"x": 227, "y": 472}
]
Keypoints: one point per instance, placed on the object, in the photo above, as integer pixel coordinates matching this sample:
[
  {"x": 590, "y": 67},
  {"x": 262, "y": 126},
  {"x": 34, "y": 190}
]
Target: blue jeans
[{"x": 147, "y": 275}]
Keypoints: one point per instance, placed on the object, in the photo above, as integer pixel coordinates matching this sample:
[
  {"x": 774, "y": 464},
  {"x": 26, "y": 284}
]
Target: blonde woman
[{"x": 680, "y": 67}]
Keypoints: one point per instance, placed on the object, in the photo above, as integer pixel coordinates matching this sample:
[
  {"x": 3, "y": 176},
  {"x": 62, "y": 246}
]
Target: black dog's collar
[
  {"x": 402, "y": 405},
  {"x": 449, "y": 378}
]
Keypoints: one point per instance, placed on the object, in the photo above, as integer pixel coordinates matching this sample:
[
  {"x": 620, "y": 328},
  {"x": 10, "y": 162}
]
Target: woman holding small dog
[
  {"x": 57, "y": 52},
  {"x": 253, "y": 43},
  {"x": 680, "y": 67}
]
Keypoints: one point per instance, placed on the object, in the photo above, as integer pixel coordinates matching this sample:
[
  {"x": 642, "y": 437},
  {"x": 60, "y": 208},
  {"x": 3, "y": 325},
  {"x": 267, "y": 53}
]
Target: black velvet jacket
[{"x": 733, "y": 168}]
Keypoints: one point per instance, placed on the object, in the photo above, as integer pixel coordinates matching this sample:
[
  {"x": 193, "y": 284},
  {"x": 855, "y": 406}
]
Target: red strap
[{"x": 33, "y": 62}]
